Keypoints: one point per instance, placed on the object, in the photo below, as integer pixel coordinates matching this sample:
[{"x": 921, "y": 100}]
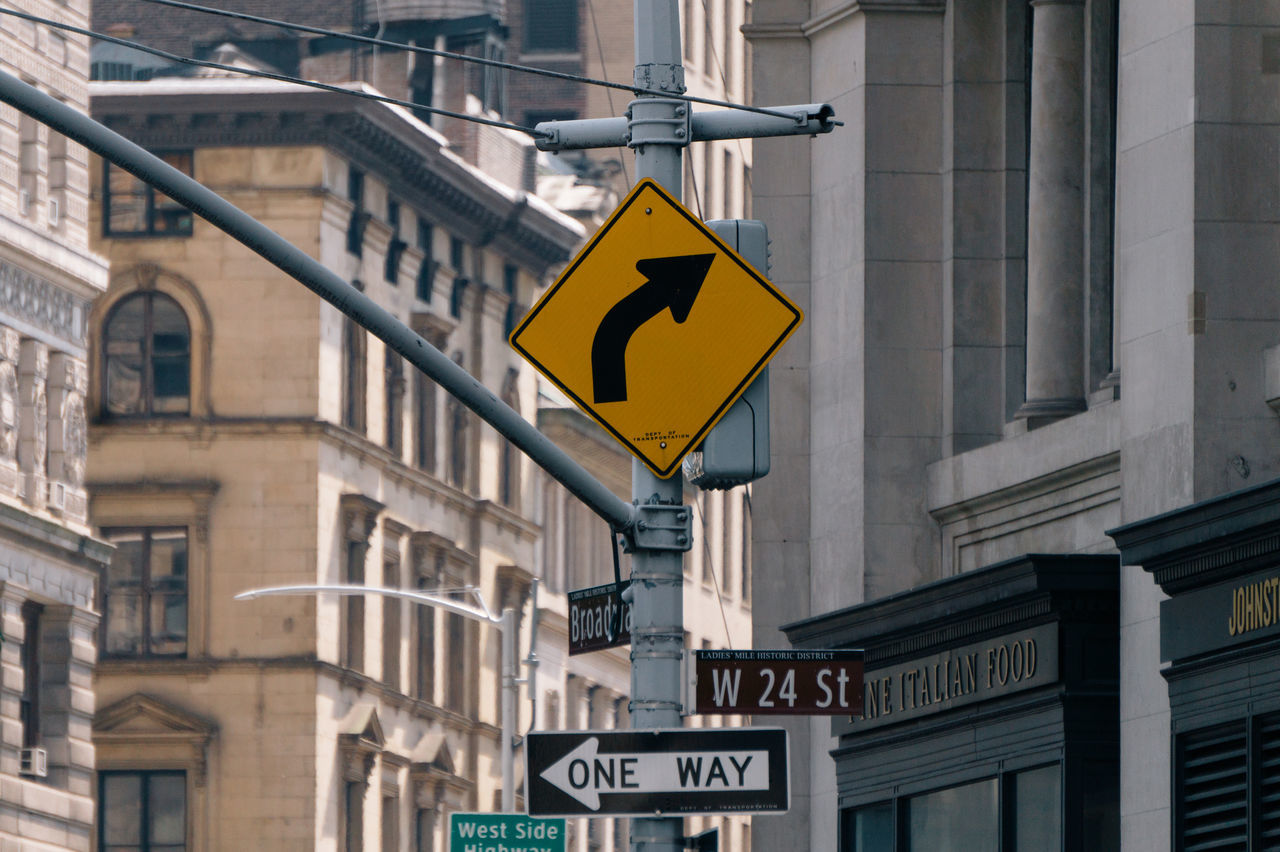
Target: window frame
[
  {"x": 147, "y": 392},
  {"x": 184, "y": 218},
  {"x": 145, "y": 843},
  {"x": 145, "y": 586},
  {"x": 536, "y": 39}
]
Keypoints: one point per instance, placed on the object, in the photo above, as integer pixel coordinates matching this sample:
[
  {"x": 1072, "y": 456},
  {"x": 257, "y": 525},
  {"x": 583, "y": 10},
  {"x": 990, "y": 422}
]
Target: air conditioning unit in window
[
  {"x": 24, "y": 202},
  {"x": 57, "y": 500},
  {"x": 55, "y": 213},
  {"x": 34, "y": 762}
]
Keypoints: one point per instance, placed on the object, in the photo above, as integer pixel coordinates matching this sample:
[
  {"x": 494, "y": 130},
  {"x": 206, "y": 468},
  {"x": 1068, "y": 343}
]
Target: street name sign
[
  {"x": 505, "y": 833},
  {"x": 656, "y": 328},
  {"x": 775, "y": 683},
  {"x": 592, "y": 615},
  {"x": 662, "y": 771}
]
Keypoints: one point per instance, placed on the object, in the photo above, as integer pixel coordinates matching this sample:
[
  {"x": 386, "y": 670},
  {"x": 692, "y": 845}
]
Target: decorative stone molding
[
  {"x": 43, "y": 304},
  {"x": 143, "y": 732},
  {"x": 33, "y": 429},
  {"x": 359, "y": 743},
  {"x": 359, "y": 517},
  {"x": 68, "y": 436}
]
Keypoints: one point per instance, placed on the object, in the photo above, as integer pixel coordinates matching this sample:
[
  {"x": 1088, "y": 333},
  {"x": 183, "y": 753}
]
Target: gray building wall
[{"x": 904, "y": 448}]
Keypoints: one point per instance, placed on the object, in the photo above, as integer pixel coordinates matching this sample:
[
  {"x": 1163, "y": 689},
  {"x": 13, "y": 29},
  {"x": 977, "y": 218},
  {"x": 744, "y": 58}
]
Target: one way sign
[{"x": 664, "y": 771}]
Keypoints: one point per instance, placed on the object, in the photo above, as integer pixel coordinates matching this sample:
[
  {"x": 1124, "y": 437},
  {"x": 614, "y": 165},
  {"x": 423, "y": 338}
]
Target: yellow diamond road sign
[{"x": 656, "y": 328}]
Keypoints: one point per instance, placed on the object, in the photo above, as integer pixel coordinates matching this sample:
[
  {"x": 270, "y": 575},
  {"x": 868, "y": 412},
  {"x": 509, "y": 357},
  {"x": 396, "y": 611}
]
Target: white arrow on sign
[{"x": 584, "y": 773}]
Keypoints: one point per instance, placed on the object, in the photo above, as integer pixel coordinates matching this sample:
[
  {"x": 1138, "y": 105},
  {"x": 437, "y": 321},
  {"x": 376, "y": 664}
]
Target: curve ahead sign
[
  {"x": 656, "y": 328},
  {"x": 666, "y": 771}
]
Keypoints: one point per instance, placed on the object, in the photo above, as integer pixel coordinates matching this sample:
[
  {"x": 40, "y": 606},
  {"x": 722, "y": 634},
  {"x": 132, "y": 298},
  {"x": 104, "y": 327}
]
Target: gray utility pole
[{"x": 659, "y": 129}]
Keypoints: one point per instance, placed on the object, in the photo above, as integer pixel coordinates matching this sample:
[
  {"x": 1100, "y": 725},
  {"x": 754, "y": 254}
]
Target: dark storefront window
[
  {"x": 1228, "y": 786},
  {"x": 966, "y": 817}
]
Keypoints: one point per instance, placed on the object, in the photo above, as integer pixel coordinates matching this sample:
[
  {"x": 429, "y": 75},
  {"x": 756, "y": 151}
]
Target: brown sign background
[{"x": 778, "y": 683}]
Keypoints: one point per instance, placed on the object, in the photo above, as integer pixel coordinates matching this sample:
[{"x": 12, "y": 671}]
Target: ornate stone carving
[
  {"x": 8, "y": 411},
  {"x": 43, "y": 304},
  {"x": 76, "y": 440}
]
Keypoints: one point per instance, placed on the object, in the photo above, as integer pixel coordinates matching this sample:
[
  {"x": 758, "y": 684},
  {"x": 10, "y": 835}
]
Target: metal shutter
[{"x": 1213, "y": 789}]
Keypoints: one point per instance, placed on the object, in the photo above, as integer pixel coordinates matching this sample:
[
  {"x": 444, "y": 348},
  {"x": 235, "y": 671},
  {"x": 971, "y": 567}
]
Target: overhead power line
[
  {"x": 461, "y": 57},
  {"x": 269, "y": 75}
]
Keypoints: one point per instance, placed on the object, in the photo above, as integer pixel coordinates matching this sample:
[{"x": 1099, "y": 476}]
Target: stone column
[
  {"x": 68, "y": 636},
  {"x": 33, "y": 434},
  {"x": 1055, "y": 214}
]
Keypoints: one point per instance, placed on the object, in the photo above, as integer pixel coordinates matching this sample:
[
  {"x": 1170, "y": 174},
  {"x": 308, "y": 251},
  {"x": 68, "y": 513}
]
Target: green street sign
[{"x": 505, "y": 833}]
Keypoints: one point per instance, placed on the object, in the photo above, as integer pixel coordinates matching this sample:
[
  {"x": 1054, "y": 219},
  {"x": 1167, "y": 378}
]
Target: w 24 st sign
[{"x": 775, "y": 683}]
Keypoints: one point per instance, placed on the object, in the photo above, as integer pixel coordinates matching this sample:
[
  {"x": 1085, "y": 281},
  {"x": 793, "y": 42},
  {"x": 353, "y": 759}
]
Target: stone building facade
[
  {"x": 50, "y": 563},
  {"x": 246, "y": 434},
  {"x": 1038, "y": 266}
]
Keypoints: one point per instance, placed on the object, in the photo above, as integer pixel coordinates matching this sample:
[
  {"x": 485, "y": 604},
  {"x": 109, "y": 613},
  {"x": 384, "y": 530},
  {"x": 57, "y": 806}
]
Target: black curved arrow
[{"x": 672, "y": 282}]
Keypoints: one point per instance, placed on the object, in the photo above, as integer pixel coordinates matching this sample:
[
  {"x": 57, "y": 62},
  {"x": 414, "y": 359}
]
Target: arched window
[{"x": 147, "y": 357}]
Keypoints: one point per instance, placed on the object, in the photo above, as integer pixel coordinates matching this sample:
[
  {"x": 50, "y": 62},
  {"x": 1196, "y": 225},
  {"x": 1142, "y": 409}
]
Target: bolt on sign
[{"x": 656, "y": 328}]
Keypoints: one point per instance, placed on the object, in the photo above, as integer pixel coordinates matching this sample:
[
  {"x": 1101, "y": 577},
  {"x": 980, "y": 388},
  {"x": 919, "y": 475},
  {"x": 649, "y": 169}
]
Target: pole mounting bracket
[
  {"x": 660, "y": 526},
  {"x": 659, "y": 121}
]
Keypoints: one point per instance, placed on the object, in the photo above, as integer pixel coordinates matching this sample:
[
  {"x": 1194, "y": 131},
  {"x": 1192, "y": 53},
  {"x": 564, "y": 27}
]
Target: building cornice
[{"x": 393, "y": 145}]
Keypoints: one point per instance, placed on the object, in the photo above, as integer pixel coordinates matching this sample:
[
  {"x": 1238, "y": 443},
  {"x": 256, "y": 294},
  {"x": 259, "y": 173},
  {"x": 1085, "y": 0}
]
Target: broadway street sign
[
  {"x": 776, "y": 683},
  {"x": 665, "y": 771},
  {"x": 593, "y": 614},
  {"x": 505, "y": 833}
]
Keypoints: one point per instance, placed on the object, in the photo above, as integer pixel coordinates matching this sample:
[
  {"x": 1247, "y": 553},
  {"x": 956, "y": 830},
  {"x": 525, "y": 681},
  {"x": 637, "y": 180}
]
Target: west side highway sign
[
  {"x": 665, "y": 771},
  {"x": 656, "y": 328},
  {"x": 775, "y": 683}
]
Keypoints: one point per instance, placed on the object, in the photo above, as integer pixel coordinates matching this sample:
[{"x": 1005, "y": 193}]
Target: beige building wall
[
  {"x": 308, "y": 455},
  {"x": 49, "y": 561}
]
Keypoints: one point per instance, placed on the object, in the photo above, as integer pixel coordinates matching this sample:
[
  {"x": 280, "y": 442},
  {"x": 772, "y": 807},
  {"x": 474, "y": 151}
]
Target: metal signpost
[
  {"x": 592, "y": 615},
  {"x": 505, "y": 833},
  {"x": 665, "y": 771},
  {"x": 657, "y": 528},
  {"x": 775, "y": 683},
  {"x": 658, "y": 128}
]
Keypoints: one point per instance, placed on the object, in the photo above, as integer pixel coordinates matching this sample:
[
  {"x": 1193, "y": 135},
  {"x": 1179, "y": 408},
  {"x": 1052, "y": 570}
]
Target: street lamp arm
[
  {"x": 481, "y": 613},
  {"x": 506, "y": 624}
]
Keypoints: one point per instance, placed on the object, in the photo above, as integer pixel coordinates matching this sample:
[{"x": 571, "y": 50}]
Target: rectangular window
[
  {"x": 142, "y": 811},
  {"x": 510, "y": 283},
  {"x": 395, "y": 249},
  {"x": 132, "y": 208},
  {"x": 456, "y": 651},
  {"x": 353, "y": 607},
  {"x": 391, "y": 611},
  {"x": 426, "y": 272},
  {"x": 29, "y": 703},
  {"x": 964, "y": 817},
  {"x": 424, "y": 681},
  {"x": 359, "y": 216},
  {"x": 390, "y": 824},
  {"x": 551, "y": 25},
  {"x": 355, "y": 344},
  {"x": 145, "y": 593},
  {"x": 424, "y": 394},
  {"x": 353, "y": 806},
  {"x": 393, "y": 367}
]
